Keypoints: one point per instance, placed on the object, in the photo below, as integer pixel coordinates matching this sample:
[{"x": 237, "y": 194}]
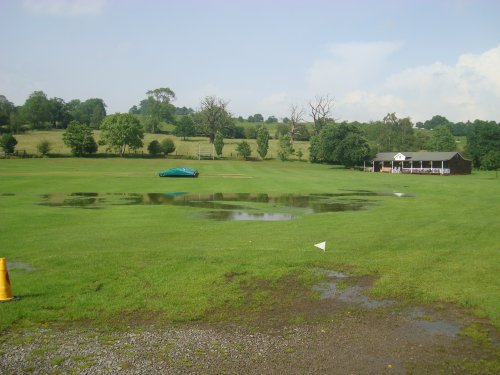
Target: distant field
[
  {"x": 28, "y": 142},
  {"x": 169, "y": 263}
]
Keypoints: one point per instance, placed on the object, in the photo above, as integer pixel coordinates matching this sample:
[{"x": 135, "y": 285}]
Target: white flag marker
[{"x": 321, "y": 245}]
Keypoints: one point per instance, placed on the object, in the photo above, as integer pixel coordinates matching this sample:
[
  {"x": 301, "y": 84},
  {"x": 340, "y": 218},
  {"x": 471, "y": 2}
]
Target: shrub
[
  {"x": 154, "y": 148},
  {"x": 44, "y": 147},
  {"x": 8, "y": 142},
  {"x": 167, "y": 146},
  {"x": 244, "y": 149}
]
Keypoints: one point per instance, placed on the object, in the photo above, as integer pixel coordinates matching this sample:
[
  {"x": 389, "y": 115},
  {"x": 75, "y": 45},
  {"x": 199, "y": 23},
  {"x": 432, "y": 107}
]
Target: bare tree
[
  {"x": 320, "y": 111},
  {"x": 296, "y": 117}
]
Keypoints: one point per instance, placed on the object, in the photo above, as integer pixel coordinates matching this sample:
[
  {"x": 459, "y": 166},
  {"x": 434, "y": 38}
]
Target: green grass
[
  {"x": 188, "y": 148},
  {"x": 166, "y": 263}
]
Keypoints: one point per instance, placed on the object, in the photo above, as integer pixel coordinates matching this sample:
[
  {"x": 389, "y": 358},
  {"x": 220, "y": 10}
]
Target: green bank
[{"x": 170, "y": 263}]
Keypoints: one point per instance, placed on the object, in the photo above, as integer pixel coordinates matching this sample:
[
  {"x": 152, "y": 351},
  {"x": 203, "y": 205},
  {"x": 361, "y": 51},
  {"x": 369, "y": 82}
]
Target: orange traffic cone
[{"x": 5, "y": 290}]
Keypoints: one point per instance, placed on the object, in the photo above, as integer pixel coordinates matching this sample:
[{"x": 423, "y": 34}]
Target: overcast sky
[{"x": 417, "y": 58}]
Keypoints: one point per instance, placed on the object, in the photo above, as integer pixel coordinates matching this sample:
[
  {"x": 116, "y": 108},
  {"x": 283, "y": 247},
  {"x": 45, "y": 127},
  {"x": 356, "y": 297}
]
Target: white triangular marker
[{"x": 321, "y": 245}]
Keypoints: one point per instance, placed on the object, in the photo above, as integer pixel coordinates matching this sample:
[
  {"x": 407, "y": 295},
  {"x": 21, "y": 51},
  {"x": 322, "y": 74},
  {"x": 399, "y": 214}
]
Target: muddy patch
[{"x": 349, "y": 292}]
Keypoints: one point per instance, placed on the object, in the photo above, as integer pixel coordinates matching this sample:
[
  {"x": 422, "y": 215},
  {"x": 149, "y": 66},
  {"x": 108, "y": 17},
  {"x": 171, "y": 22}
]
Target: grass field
[
  {"x": 187, "y": 148},
  {"x": 167, "y": 263}
]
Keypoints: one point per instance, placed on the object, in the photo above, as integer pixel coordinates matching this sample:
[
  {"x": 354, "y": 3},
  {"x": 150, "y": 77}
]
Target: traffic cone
[{"x": 5, "y": 290}]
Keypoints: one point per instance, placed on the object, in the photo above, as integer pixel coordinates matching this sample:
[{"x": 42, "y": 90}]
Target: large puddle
[{"x": 228, "y": 206}]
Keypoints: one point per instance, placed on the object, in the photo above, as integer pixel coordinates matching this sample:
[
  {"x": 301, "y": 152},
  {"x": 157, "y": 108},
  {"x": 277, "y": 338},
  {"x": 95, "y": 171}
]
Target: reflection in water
[
  {"x": 224, "y": 206},
  {"x": 246, "y": 216}
]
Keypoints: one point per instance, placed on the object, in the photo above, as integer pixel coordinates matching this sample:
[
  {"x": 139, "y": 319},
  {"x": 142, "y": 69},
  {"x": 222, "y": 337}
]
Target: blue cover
[{"x": 179, "y": 172}]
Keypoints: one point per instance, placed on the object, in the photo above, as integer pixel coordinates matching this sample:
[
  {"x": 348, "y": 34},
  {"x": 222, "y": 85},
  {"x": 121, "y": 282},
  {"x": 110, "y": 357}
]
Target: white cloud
[
  {"x": 349, "y": 66},
  {"x": 466, "y": 90},
  {"x": 65, "y": 7}
]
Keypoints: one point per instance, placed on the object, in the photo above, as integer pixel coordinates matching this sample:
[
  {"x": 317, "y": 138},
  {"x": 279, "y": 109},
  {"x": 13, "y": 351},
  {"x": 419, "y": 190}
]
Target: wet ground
[
  {"x": 229, "y": 206},
  {"x": 334, "y": 327}
]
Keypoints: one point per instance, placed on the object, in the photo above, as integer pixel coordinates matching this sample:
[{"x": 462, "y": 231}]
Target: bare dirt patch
[{"x": 282, "y": 327}]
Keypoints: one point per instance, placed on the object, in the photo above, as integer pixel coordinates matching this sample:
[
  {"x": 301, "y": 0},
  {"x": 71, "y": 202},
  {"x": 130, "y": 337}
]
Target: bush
[
  {"x": 8, "y": 142},
  {"x": 167, "y": 146},
  {"x": 244, "y": 149},
  {"x": 154, "y": 148},
  {"x": 44, "y": 147}
]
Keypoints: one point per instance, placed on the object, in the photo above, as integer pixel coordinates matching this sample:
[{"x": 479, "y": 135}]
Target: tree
[
  {"x": 36, "y": 110},
  {"x": 320, "y": 112},
  {"x": 436, "y": 121},
  {"x": 58, "y": 113},
  {"x": 6, "y": 108},
  {"x": 78, "y": 137},
  {"x": 343, "y": 144},
  {"x": 271, "y": 119},
  {"x": 243, "y": 149},
  {"x": 185, "y": 127},
  {"x": 120, "y": 131},
  {"x": 395, "y": 134},
  {"x": 250, "y": 132},
  {"x": 44, "y": 147},
  {"x": 442, "y": 140},
  {"x": 285, "y": 147},
  {"x": 301, "y": 133},
  {"x": 167, "y": 146},
  {"x": 218, "y": 143},
  {"x": 296, "y": 117},
  {"x": 491, "y": 161},
  {"x": 157, "y": 107},
  {"x": 258, "y": 118},
  {"x": 8, "y": 142},
  {"x": 154, "y": 147},
  {"x": 215, "y": 117},
  {"x": 482, "y": 137},
  {"x": 91, "y": 112},
  {"x": 262, "y": 141}
]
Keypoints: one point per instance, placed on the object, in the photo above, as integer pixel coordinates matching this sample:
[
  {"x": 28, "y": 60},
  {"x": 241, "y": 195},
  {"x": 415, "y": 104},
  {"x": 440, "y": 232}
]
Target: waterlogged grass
[{"x": 167, "y": 263}]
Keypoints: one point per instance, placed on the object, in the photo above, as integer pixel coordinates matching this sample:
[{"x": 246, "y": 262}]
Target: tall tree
[
  {"x": 120, "y": 131},
  {"x": 215, "y": 117},
  {"x": 296, "y": 118},
  {"x": 6, "y": 108},
  {"x": 59, "y": 116},
  {"x": 262, "y": 141},
  {"x": 442, "y": 139},
  {"x": 321, "y": 110},
  {"x": 436, "y": 121},
  {"x": 35, "y": 110},
  {"x": 285, "y": 149},
  {"x": 396, "y": 134},
  {"x": 343, "y": 144},
  {"x": 79, "y": 138},
  {"x": 157, "y": 107},
  {"x": 185, "y": 127},
  {"x": 482, "y": 137},
  {"x": 218, "y": 143}
]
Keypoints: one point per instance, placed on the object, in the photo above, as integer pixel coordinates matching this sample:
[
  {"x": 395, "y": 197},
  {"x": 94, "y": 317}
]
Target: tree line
[{"x": 331, "y": 141}]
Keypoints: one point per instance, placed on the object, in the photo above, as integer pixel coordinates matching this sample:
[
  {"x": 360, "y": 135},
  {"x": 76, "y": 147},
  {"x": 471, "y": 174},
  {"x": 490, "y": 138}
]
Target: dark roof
[{"x": 417, "y": 156}]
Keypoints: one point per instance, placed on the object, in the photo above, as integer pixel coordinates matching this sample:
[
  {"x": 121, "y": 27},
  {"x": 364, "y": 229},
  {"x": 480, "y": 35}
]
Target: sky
[{"x": 417, "y": 58}]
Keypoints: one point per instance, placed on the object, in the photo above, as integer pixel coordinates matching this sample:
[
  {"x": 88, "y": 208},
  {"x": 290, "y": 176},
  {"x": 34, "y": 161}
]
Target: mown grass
[
  {"x": 187, "y": 148},
  {"x": 168, "y": 263}
]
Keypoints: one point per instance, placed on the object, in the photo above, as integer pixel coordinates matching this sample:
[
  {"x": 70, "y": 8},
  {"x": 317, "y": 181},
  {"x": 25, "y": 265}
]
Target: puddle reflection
[{"x": 224, "y": 206}]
